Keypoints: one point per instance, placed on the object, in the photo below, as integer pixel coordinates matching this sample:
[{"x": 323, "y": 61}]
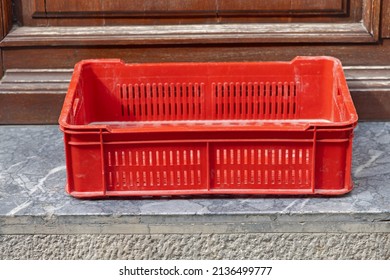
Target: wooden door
[{"x": 43, "y": 39}]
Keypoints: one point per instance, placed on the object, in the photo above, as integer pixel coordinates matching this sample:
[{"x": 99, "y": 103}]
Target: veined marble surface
[{"x": 32, "y": 182}]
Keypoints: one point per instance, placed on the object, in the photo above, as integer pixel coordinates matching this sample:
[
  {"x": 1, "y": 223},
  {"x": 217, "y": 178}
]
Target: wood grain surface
[{"x": 43, "y": 39}]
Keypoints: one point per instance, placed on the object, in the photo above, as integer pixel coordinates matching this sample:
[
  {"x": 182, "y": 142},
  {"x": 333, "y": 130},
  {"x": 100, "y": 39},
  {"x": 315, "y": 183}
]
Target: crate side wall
[
  {"x": 331, "y": 171},
  {"x": 84, "y": 162}
]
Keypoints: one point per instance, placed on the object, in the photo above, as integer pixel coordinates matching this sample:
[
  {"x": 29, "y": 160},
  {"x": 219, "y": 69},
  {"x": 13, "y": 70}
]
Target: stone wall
[{"x": 198, "y": 246}]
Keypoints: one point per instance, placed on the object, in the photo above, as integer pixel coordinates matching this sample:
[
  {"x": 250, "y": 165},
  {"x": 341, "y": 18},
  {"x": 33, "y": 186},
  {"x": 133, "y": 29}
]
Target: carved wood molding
[
  {"x": 368, "y": 78},
  {"x": 189, "y": 34},
  {"x": 31, "y": 96},
  {"x": 36, "y": 95},
  {"x": 370, "y": 90},
  {"x": 35, "y": 80}
]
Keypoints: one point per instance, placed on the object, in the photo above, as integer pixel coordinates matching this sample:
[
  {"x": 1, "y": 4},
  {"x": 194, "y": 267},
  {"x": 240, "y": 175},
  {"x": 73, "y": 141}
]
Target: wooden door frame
[
  {"x": 31, "y": 91},
  {"x": 364, "y": 30}
]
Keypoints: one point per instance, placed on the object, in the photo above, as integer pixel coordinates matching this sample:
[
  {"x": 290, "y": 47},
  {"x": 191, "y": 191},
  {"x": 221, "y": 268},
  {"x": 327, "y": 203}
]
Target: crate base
[{"x": 232, "y": 192}]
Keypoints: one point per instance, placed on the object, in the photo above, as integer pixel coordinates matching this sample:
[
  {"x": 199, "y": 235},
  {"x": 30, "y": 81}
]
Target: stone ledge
[{"x": 33, "y": 200}]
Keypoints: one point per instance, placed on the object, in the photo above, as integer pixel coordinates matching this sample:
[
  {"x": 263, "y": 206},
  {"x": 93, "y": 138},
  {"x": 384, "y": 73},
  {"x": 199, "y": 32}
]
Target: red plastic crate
[{"x": 208, "y": 128}]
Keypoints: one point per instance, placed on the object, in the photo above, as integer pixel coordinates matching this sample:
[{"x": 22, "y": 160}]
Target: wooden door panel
[
  {"x": 123, "y": 12},
  {"x": 142, "y": 7},
  {"x": 5, "y": 17},
  {"x": 386, "y": 19},
  {"x": 284, "y": 6},
  {"x": 123, "y": 8},
  {"x": 153, "y": 7}
]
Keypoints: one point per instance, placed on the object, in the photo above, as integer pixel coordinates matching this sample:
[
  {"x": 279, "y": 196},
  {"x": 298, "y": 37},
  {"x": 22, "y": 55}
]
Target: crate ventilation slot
[
  {"x": 248, "y": 167},
  {"x": 259, "y": 100},
  {"x": 151, "y": 168},
  {"x": 188, "y": 101},
  {"x": 161, "y": 101}
]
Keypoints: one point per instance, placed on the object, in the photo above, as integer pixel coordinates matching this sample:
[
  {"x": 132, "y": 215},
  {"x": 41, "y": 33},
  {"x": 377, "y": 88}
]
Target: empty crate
[{"x": 208, "y": 128}]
